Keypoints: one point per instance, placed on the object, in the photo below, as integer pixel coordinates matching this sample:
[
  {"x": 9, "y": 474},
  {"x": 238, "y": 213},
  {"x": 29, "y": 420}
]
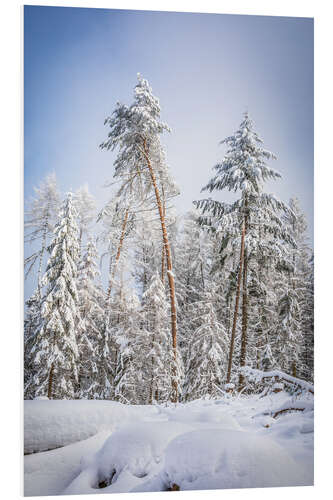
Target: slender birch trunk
[
  {"x": 171, "y": 280},
  {"x": 233, "y": 332}
]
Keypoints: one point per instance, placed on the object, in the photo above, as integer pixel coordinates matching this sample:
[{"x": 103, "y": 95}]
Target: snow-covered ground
[{"x": 106, "y": 447}]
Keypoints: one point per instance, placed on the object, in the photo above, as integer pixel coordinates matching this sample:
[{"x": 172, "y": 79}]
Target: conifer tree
[
  {"x": 155, "y": 324},
  {"x": 90, "y": 336},
  {"x": 243, "y": 169},
  {"x": 32, "y": 323},
  {"x": 131, "y": 372},
  {"x": 206, "y": 367},
  {"x": 135, "y": 130},
  {"x": 54, "y": 351},
  {"x": 292, "y": 285},
  {"x": 193, "y": 252}
]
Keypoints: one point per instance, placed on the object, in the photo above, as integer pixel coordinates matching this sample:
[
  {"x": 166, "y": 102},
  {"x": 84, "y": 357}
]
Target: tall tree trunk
[
  {"x": 163, "y": 265},
  {"x": 233, "y": 332},
  {"x": 171, "y": 279},
  {"x": 39, "y": 275},
  {"x": 163, "y": 248},
  {"x": 120, "y": 244},
  {"x": 50, "y": 385},
  {"x": 242, "y": 360}
]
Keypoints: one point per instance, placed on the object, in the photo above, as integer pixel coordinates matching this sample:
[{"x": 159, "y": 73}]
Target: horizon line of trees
[{"x": 189, "y": 300}]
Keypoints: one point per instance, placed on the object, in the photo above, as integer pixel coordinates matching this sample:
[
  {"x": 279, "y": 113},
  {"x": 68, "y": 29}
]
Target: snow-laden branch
[{"x": 258, "y": 376}]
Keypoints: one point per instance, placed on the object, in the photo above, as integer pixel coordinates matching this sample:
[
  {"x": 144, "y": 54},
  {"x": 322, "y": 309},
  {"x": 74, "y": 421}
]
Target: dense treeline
[{"x": 189, "y": 300}]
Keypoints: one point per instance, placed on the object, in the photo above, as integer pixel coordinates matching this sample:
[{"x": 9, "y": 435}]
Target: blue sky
[{"x": 206, "y": 69}]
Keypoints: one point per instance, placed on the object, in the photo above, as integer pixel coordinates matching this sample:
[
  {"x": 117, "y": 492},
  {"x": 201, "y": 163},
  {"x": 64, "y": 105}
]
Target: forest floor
[{"x": 78, "y": 447}]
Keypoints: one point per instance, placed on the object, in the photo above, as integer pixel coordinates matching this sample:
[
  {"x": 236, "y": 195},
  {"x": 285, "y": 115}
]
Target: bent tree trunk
[
  {"x": 233, "y": 332},
  {"x": 120, "y": 244},
  {"x": 171, "y": 279}
]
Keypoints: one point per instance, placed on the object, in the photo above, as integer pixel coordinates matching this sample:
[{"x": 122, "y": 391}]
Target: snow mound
[
  {"x": 205, "y": 444},
  {"x": 55, "y": 423},
  {"x": 218, "y": 458},
  {"x": 133, "y": 452}
]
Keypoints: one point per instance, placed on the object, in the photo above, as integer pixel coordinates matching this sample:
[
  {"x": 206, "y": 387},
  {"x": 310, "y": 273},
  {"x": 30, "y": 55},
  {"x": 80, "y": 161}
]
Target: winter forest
[{"x": 208, "y": 305}]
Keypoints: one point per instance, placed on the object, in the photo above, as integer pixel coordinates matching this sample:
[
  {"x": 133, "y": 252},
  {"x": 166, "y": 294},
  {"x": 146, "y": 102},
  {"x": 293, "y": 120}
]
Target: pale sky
[{"x": 206, "y": 69}]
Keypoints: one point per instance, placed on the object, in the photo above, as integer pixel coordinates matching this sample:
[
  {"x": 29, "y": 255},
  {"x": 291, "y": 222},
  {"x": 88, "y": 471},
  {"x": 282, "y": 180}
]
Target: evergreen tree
[
  {"x": 244, "y": 169},
  {"x": 292, "y": 287},
  {"x": 206, "y": 367},
  {"x": 155, "y": 324},
  {"x": 90, "y": 337},
  {"x": 54, "y": 351},
  {"x": 32, "y": 323},
  {"x": 193, "y": 252},
  {"x": 131, "y": 373}
]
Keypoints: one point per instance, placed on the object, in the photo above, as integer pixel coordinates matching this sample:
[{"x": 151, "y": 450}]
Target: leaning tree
[{"x": 135, "y": 131}]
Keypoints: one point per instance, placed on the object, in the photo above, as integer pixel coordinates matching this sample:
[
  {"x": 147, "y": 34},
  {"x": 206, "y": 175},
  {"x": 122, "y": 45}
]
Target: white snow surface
[
  {"x": 55, "y": 423},
  {"x": 107, "y": 447}
]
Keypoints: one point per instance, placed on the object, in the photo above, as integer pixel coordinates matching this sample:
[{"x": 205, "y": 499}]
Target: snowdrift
[
  {"x": 50, "y": 424},
  {"x": 229, "y": 443}
]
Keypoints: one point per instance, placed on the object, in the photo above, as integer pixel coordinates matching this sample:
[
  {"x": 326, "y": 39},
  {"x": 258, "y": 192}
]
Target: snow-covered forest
[
  {"x": 189, "y": 302},
  {"x": 165, "y": 351}
]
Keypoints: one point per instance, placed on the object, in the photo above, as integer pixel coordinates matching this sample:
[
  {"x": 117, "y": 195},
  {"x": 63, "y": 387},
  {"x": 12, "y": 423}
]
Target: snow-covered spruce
[
  {"x": 131, "y": 369},
  {"x": 244, "y": 168},
  {"x": 54, "y": 351},
  {"x": 159, "y": 349},
  {"x": 90, "y": 338},
  {"x": 207, "y": 347}
]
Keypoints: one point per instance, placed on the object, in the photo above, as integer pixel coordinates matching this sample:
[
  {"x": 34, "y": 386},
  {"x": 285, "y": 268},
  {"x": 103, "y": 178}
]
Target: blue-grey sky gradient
[{"x": 206, "y": 69}]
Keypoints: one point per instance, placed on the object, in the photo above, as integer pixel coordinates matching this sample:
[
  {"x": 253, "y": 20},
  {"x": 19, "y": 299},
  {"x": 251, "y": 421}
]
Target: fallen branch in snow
[
  {"x": 258, "y": 376},
  {"x": 276, "y": 414},
  {"x": 174, "y": 487}
]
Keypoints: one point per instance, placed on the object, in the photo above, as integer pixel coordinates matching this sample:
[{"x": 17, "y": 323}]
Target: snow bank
[
  {"x": 216, "y": 458},
  {"x": 233, "y": 442},
  {"x": 133, "y": 452},
  {"x": 49, "y": 473},
  {"x": 52, "y": 424}
]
